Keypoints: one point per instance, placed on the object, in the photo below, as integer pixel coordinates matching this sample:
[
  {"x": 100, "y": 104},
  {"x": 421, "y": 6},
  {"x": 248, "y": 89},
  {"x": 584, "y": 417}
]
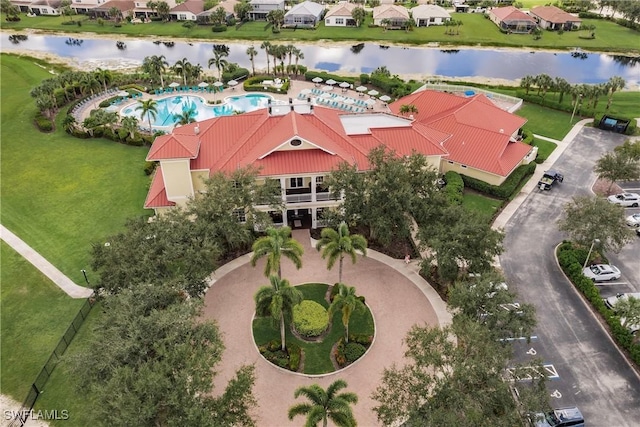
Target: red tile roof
[
  {"x": 171, "y": 146},
  {"x": 510, "y": 13},
  {"x": 480, "y": 131},
  {"x": 193, "y": 6},
  {"x": 157, "y": 196},
  {"x": 554, "y": 14}
]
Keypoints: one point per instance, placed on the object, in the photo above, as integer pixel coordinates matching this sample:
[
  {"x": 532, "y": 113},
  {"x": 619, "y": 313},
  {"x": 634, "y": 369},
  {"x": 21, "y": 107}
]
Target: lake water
[{"x": 422, "y": 61}]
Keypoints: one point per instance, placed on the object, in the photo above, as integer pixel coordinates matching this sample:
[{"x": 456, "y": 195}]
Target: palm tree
[
  {"x": 219, "y": 61},
  {"x": 298, "y": 55},
  {"x": 408, "y": 108},
  {"x": 336, "y": 244},
  {"x": 348, "y": 302},
  {"x": 278, "y": 301},
  {"x": 181, "y": 67},
  {"x": 252, "y": 53},
  {"x": 149, "y": 108},
  {"x": 562, "y": 86},
  {"x": 615, "y": 83},
  {"x": 186, "y": 117},
  {"x": 274, "y": 245},
  {"x": 156, "y": 66},
  {"x": 267, "y": 49},
  {"x": 103, "y": 76},
  {"x": 325, "y": 405},
  {"x": 130, "y": 124}
]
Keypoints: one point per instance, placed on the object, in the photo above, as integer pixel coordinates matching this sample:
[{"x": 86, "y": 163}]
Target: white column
[
  {"x": 313, "y": 189},
  {"x": 314, "y": 216},
  {"x": 283, "y": 187}
]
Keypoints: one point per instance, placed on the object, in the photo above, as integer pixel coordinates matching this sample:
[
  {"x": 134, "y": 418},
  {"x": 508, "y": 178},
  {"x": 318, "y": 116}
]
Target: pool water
[{"x": 172, "y": 106}]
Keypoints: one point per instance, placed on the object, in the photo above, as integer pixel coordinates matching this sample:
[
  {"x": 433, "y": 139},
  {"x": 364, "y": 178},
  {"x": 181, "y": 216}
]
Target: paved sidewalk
[{"x": 55, "y": 275}]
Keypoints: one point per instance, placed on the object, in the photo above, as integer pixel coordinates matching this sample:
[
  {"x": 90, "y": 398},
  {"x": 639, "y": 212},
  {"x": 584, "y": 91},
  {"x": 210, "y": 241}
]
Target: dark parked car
[
  {"x": 549, "y": 178},
  {"x": 564, "y": 417}
]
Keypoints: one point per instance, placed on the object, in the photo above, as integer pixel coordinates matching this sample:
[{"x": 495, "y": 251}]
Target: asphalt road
[{"x": 585, "y": 368}]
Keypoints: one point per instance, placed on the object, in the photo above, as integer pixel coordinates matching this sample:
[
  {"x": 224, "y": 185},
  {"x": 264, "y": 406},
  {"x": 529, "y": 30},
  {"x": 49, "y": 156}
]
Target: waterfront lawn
[
  {"x": 545, "y": 121},
  {"x": 475, "y": 30},
  {"x": 61, "y": 194},
  {"x": 35, "y": 314},
  {"x": 61, "y": 391},
  {"x": 317, "y": 358}
]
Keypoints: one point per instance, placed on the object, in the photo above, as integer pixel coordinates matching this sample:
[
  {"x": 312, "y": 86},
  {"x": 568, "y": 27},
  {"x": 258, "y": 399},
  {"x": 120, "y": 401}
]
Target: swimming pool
[{"x": 171, "y": 106}]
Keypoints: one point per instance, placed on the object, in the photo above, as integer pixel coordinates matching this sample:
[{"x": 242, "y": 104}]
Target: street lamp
[
  {"x": 84, "y": 273},
  {"x": 575, "y": 106},
  {"x": 595, "y": 242}
]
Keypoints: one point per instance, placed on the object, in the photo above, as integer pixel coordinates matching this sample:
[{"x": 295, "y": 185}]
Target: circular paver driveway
[{"x": 395, "y": 301}]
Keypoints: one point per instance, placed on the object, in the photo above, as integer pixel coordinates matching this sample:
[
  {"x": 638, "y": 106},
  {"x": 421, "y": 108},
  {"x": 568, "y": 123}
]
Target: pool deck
[{"x": 297, "y": 89}]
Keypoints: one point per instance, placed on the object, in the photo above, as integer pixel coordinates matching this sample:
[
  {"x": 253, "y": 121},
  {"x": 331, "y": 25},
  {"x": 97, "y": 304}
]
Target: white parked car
[
  {"x": 628, "y": 200},
  {"x": 613, "y": 300},
  {"x": 633, "y": 220},
  {"x": 601, "y": 272}
]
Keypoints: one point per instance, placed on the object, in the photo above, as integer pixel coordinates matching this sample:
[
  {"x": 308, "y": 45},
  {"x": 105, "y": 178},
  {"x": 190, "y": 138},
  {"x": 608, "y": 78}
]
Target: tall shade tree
[
  {"x": 347, "y": 302},
  {"x": 588, "y": 218},
  {"x": 104, "y": 77},
  {"x": 617, "y": 166},
  {"x": 149, "y": 108},
  {"x": 219, "y": 62},
  {"x": 335, "y": 244},
  {"x": 276, "y": 244},
  {"x": 266, "y": 45},
  {"x": 278, "y": 301},
  {"x": 252, "y": 53},
  {"x": 614, "y": 84},
  {"x": 155, "y": 358},
  {"x": 629, "y": 311},
  {"x": 455, "y": 376},
  {"x": 130, "y": 124},
  {"x": 358, "y": 14},
  {"x": 182, "y": 67},
  {"x": 325, "y": 405}
]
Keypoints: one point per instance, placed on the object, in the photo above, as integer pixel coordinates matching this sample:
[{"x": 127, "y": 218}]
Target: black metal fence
[{"x": 38, "y": 385}]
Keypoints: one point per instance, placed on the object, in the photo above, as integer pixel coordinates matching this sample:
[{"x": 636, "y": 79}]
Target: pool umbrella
[
  {"x": 370, "y": 102},
  {"x": 373, "y": 92},
  {"x": 361, "y": 88},
  {"x": 345, "y": 85},
  {"x": 385, "y": 98},
  {"x": 232, "y": 83},
  {"x": 203, "y": 84},
  {"x": 174, "y": 84},
  {"x": 123, "y": 93},
  {"x": 331, "y": 82},
  {"x": 317, "y": 80}
]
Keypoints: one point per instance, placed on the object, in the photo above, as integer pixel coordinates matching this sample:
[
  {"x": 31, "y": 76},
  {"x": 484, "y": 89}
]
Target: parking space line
[{"x": 610, "y": 283}]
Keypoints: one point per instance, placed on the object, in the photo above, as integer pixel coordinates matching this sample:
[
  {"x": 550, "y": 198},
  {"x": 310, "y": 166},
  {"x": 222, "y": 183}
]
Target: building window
[
  {"x": 340, "y": 21},
  {"x": 319, "y": 179},
  {"x": 240, "y": 215},
  {"x": 297, "y": 19},
  {"x": 182, "y": 16},
  {"x": 295, "y": 182}
]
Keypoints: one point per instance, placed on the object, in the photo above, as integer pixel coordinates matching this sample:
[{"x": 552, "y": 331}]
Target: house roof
[
  {"x": 54, "y": 4},
  {"x": 554, "y": 14},
  {"x": 173, "y": 147},
  {"x": 193, "y": 6},
  {"x": 341, "y": 9},
  {"x": 121, "y": 5},
  {"x": 390, "y": 11},
  {"x": 306, "y": 8},
  {"x": 510, "y": 13},
  {"x": 480, "y": 131},
  {"x": 266, "y": 1},
  {"x": 157, "y": 195},
  {"x": 429, "y": 11}
]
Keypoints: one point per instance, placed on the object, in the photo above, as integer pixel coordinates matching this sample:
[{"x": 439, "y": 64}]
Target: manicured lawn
[
  {"x": 545, "y": 148},
  {"x": 475, "y": 30},
  {"x": 34, "y": 315},
  {"x": 486, "y": 205},
  {"x": 61, "y": 391},
  {"x": 60, "y": 194},
  {"x": 545, "y": 121},
  {"x": 316, "y": 355}
]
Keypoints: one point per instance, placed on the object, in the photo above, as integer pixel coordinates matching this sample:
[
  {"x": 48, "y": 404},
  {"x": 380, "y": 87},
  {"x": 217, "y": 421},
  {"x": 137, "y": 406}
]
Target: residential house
[
  {"x": 187, "y": 11},
  {"x": 260, "y": 8},
  {"x": 425, "y": 15},
  {"x": 22, "y": 5},
  {"x": 297, "y": 144},
  {"x": 305, "y": 14},
  {"x": 125, "y": 7},
  {"x": 484, "y": 142},
  {"x": 512, "y": 20},
  {"x": 340, "y": 15},
  {"x": 46, "y": 7},
  {"x": 83, "y": 6},
  {"x": 553, "y": 18},
  {"x": 396, "y": 16}
]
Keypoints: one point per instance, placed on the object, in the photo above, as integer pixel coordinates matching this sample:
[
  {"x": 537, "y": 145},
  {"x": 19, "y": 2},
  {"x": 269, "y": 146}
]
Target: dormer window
[{"x": 295, "y": 142}]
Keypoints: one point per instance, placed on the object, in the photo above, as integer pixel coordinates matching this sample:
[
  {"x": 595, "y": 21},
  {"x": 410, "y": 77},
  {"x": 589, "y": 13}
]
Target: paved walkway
[
  {"x": 55, "y": 275},
  {"x": 398, "y": 297}
]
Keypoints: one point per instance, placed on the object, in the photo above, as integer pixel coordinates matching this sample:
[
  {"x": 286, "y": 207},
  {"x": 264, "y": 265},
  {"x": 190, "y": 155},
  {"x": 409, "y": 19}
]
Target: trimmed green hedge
[
  {"x": 310, "y": 319},
  {"x": 571, "y": 261},
  {"x": 238, "y": 73},
  {"x": 454, "y": 188},
  {"x": 507, "y": 188},
  {"x": 254, "y": 84},
  {"x": 354, "y": 351},
  {"x": 43, "y": 123},
  {"x": 310, "y": 75}
]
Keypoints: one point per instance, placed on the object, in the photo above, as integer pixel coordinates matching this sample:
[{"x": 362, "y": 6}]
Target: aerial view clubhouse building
[{"x": 299, "y": 144}]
